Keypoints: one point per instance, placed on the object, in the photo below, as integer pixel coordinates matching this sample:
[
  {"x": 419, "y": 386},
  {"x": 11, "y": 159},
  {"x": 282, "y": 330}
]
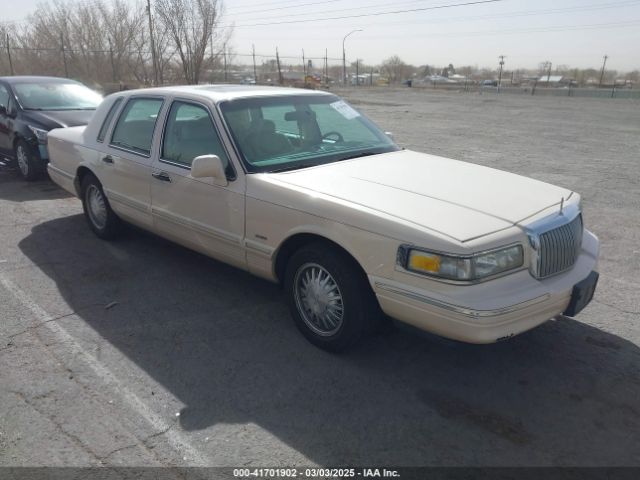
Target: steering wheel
[{"x": 338, "y": 136}]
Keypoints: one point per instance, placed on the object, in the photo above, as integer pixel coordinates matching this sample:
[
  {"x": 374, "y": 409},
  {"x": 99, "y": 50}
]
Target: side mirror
[
  {"x": 211, "y": 166},
  {"x": 3, "y": 110}
]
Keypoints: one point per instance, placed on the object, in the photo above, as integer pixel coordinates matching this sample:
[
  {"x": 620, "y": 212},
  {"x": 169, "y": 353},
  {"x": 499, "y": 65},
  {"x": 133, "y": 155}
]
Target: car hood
[
  {"x": 461, "y": 200},
  {"x": 59, "y": 118}
]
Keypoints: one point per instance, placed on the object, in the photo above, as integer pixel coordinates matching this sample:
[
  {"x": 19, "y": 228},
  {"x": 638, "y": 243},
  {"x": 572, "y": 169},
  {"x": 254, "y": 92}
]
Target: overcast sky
[{"x": 572, "y": 32}]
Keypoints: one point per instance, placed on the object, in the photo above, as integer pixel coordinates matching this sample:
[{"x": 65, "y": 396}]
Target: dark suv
[{"x": 30, "y": 107}]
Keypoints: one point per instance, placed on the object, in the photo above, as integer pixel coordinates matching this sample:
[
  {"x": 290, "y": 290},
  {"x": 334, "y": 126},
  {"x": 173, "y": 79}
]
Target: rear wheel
[
  {"x": 29, "y": 164},
  {"x": 329, "y": 297},
  {"x": 102, "y": 219}
]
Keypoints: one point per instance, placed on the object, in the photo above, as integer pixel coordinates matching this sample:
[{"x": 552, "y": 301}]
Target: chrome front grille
[{"x": 558, "y": 249}]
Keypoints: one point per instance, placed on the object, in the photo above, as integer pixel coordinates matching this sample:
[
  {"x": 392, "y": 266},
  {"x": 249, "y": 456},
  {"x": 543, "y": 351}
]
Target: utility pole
[
  {"x": 549, "y": 75},
  {"x": 224, "y": 56},
  {"x": 153, "y": 45},
  {"x": 344, "y": 57},
  {"x": 64, "y": 57},
  {"x": 604, "y": 63},
  {"x": 113, "y": 67},
  {"x": 357, "y": 72},
  {"x": 326, "y": 66},
  {"x": 304, "y": 67},
  {"x": 9, "y": 55},
  {"x": 212, "y": 59},
  {"x": 253, "y": 54},
  {"x": 279, "y": 70},
  {"x": 501, "y": 57}
]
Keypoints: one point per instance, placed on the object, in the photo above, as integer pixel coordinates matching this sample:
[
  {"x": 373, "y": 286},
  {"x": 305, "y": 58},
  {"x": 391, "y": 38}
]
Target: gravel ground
[{"x": 140, "y": 352}]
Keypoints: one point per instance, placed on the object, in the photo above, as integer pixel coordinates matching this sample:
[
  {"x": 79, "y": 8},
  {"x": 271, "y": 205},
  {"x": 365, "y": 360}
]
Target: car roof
[
  {"x": 35, "y": 79},
  {"x": 222, "y": 92}
]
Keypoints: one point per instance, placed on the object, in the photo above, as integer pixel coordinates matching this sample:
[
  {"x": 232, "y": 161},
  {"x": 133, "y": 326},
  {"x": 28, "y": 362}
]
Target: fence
[
  {"x": 610, "y": 91},
  {"x": 109, "y": 70}
]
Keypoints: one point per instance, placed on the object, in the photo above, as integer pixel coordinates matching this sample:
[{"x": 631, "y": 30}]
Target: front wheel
[
  {"x": 329, "y": 297},
  {"x": 102, "y": 220},
  {"x": 29, "y": 164}
]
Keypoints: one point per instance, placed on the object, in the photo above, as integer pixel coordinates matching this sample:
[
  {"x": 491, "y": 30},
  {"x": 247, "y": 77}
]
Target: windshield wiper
[
  {"x": 294, "y": 167},
  {"x": 358, "y": 155}
]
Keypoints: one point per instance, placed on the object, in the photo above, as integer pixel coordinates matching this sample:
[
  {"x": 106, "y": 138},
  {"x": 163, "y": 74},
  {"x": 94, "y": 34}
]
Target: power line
[
  {"x": 555, "y": 28},
  {"x": 376, "y": 14},
  {"x": 522, "y": 13},
  {"x": 341, "y": 10},
  {"x": 286, "y": 7},
  {"x": 251, "y": 4}
]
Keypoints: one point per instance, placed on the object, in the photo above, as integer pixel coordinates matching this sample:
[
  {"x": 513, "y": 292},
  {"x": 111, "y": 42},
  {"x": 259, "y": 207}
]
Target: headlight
[
  {"x": 40, "y": 134},
  {"x": 463, "y": 267}
]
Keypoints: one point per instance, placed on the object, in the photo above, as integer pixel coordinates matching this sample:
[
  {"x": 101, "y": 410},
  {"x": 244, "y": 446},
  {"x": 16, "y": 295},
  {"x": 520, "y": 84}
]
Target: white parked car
[{"x": 300, "y": 188}]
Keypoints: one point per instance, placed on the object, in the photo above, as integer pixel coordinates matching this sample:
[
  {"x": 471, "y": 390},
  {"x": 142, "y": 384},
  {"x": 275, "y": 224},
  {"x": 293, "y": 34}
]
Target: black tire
[
  {"x": 28, "y": 161},
  {"x": 107, "y": 226},
  {"x": 360, "y": 310}
]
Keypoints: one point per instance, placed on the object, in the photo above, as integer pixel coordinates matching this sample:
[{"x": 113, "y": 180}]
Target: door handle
[
  {"x": 107, "y": 159},
  {"x": 163, "y": 176}
]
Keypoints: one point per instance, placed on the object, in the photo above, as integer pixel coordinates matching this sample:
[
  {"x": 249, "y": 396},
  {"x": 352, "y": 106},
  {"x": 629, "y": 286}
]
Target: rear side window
[
  {"x": 134, "y": 130},
  {"x": 108, "y": 119}
]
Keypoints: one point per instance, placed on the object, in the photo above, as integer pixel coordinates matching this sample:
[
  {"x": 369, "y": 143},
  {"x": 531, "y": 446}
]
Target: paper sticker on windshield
[{"x": 345, "y": 110}]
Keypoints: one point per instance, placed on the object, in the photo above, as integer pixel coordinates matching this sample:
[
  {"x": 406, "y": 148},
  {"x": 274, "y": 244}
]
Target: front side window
[
  {"x": 190, "y": 133},
  {"x": 134, "y": 130},
  {"x": 296, "y": 131},
  {"x": 56, "y": 96}
]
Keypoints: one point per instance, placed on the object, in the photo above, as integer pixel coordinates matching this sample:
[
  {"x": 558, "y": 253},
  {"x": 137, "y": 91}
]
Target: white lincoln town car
[{"x": 300, "y": 188}]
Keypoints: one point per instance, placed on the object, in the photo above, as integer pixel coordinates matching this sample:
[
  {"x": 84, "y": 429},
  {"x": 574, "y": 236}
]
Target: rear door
[
  {"x": 126, "y": 160},
  {"x": 194, "y": 211}
]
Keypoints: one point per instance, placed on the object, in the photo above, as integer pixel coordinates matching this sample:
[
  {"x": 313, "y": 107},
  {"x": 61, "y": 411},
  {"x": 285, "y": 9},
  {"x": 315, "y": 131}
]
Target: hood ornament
[{"x": 561, "y": 205}]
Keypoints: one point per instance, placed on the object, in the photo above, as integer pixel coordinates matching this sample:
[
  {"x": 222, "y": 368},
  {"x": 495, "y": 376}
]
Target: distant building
[{"x": 553, "y": 81}]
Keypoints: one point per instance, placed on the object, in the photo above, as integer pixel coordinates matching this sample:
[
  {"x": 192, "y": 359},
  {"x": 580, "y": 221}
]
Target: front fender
[{"x": 270, "y": 226}]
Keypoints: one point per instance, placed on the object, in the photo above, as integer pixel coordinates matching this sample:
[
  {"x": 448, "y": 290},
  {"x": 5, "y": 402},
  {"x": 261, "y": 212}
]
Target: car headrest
[{"x": 268, "y": 127}]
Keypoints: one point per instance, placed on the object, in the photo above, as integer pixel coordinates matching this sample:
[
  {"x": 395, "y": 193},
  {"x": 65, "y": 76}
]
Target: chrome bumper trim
[{"x": 468, "y": 312}]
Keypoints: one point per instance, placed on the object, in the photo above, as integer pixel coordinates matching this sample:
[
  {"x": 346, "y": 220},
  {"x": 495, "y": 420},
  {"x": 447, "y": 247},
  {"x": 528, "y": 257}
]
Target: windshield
[
  {"x": 297, "y": 131},
  {"x": 56, "y": 96}
]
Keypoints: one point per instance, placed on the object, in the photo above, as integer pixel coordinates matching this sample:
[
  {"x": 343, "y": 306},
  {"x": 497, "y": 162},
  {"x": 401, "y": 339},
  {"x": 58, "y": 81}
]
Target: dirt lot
[{"x": 140, "y": 352}]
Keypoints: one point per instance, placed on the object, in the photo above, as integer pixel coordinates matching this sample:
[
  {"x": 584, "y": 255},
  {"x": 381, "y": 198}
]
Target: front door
[{"x": 194, "y": 211}]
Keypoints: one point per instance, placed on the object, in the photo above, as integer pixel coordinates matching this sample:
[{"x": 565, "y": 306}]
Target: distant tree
[
  {"x": 194, "y": 25},
  {"x": 394, "y": 69},
  {"x": 362, "y": 66}
]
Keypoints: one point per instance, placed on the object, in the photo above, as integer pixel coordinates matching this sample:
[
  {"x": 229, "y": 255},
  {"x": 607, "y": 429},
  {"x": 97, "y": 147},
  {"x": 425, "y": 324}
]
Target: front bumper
[{"x": 490, "y": 311}]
